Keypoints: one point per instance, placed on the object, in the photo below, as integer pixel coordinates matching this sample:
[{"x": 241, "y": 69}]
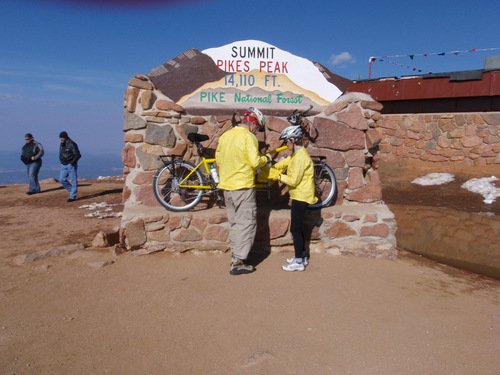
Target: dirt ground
[{"x": 184, "y": 314}]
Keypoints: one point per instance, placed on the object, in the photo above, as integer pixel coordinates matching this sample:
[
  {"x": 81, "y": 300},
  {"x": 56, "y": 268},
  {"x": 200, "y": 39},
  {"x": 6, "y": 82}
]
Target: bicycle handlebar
[
  {"x": 296, "y": 118},
  {"x": 278, "y": 149}
]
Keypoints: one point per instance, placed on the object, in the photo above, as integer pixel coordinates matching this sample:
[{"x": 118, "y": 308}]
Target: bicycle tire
[
  {"x": 166, "y": 186},
  {"x": 325, "y": 184}
]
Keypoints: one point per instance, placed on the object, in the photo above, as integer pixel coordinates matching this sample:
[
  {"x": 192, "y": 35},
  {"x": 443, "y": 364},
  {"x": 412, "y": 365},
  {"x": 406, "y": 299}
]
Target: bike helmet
[
  {"x": 256, "y": 116},
  {"x": 292, "y": 132}
]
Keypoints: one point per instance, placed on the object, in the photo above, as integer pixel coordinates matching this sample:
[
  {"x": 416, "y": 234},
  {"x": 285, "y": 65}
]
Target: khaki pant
[{"x": 242, "y": 216}]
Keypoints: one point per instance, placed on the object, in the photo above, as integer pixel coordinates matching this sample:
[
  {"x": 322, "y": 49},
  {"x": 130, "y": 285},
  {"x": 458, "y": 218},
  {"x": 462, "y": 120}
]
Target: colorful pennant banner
[
  {"x": 430, "y": 54},
  {"x": 412, "y": 56},
  {"x": 402, "y": 65}
]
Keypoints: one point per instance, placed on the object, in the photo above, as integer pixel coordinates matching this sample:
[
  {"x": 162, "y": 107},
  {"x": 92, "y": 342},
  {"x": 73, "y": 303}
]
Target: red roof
[{"x": 432, "y": 86}]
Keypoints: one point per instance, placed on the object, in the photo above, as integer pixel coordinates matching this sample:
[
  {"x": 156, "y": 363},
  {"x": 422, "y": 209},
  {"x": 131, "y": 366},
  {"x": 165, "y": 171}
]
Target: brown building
[{"x": 464, "y": 91}]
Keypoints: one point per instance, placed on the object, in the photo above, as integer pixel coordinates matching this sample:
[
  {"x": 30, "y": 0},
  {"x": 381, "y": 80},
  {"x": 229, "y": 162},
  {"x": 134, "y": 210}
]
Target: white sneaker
[
  {"x": 294, "y": 266},
  {"x": 305, "y": 260}
]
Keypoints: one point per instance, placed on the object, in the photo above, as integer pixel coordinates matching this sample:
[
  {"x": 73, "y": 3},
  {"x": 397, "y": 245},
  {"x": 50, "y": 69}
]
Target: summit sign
[{"x": 232, "y": 77}]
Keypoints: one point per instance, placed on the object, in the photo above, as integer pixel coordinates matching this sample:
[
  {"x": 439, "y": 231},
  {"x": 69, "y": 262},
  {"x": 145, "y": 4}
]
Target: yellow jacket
[
  {"x": 299, "y": 176},
  {"x": 238, "y": 158}
]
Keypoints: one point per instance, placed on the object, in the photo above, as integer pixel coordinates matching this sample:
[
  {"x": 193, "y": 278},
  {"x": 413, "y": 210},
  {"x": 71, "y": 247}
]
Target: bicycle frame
[{"x": 206, "y": 162}]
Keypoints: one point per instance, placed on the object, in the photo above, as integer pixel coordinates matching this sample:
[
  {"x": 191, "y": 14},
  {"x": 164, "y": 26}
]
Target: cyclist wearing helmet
[
  {"x": 299, "y": 178},
  {"x": 238, "y": 158}
]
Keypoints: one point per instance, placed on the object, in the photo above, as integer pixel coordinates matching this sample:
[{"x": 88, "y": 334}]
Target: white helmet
[
  {"x": 292, "y": 132},
  {"x": 254, "y": 115}
]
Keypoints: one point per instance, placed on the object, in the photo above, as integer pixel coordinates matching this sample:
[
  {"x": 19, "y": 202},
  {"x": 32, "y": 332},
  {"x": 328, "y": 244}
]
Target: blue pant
[
  {"x": 69, "y": 179},
  {"x": 33, "y": 169}
]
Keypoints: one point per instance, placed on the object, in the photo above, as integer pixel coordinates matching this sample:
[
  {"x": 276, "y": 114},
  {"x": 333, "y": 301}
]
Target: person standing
[
  {"x": 238, "y": 158},
  {"x": 299, "y": 178},
  {"x": 31, "y": 156},
  {"x": 69, "y": 156}
]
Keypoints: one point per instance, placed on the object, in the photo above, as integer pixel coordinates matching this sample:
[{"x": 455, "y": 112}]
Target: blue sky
[{"x": 64, "y": 64}]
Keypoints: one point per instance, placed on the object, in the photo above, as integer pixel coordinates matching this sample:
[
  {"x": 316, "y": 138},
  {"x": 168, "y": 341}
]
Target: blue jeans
[
  {"x": 33, "y": 169},
  {"x": 69, "y": 179}
]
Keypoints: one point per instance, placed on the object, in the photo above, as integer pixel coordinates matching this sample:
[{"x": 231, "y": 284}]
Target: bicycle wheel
[
  {"x": 325, "y": 184},
  {"x": 166, "y": 186}
]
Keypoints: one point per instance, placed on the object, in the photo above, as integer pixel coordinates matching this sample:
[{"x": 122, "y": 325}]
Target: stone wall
[
  {"x": 367, "y": 229},
  {"x": 154, "y": 125},
  {"x": 469, "y": 138}
]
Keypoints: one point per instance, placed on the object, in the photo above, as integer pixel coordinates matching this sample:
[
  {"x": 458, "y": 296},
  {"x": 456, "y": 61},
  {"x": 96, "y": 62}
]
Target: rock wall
[
  {"x": 154, "y": 125},
  {"x": 469, "y": 138},
  {"x": 367, "y": 229}
]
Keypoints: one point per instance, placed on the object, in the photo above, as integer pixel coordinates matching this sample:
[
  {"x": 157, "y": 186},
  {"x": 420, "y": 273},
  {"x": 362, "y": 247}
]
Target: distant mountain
[{"x": 90, "y": 166}]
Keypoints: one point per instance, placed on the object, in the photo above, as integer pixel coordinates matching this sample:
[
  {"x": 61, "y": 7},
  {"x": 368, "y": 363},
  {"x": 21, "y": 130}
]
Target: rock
[
  {"x": 354, "y": 118},
  {"x": 159, "y": 235},
  {"x": 355, "y": 180},
  {"x": 216, "y": 233},
  {"x": 145, "y": 251},
  {"x": 140, "y": 84},
  {"x": 336, "y": 107},
  {"x": 198, "y": 120},
  {"x": 53, "y": 251},
  {"x": 119, "y": 249},
  {"x": 106, "y": 239},
  {"x": 371, "y": 104},
  {"x": 143, "y": 178},
  {"x": 162, "y": 135},
  {"x": 372, "y": 192},
  {"x": 276, "y": 124},
  {"x": 133, "y": 138},
  {"x": 165, "y": 105},
  {"x": 337, "y": 136},
  {"x": 131, "y": 96},
  {"x": 218, "y": 219},
  {"x": 136, "y": 234},
  {"x": 133, "y": 121},
  {"x": 355, "y": 158},
  {"x": 128, "y": 156},
  {"x": 339, "y": 229},
  {"x": 179, "y": 149},
  {"x": 144, "y": 194},
  {"x": 377, "y": 230},
  {"x": 148, "y": 156},
  {"x": 148, "y": 98},
  {"x": 373, "y": 138},
  {"x": 278, "y": 227},
  {"x": 187, "y": 235}
]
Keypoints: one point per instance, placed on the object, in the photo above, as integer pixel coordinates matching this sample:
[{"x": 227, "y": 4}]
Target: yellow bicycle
[{"x": 179, "y": 185}]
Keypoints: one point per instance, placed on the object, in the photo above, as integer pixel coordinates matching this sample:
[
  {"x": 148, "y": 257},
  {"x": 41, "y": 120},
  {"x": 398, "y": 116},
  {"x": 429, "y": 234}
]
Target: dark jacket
[
  {"x": 68, "y": 152},
  {"x": 31, "y": 149}
]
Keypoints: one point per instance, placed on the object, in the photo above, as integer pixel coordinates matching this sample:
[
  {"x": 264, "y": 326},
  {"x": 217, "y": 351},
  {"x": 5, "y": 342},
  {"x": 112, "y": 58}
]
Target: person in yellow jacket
[
  {"x": 299, "y": 178},
  {"x": 238, "y": 158}
]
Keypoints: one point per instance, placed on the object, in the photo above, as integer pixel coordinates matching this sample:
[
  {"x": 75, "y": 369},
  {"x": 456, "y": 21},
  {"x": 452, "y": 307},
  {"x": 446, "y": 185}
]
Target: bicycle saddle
[{"x": 196, "y": 138}]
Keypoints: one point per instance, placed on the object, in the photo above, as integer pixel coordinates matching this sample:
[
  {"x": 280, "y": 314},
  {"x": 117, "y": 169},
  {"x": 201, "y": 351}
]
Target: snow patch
[
  {"x": 484, "y": 187},
  {"x": 434, "y": 179},
  {"x": 98, "y": 209}
]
